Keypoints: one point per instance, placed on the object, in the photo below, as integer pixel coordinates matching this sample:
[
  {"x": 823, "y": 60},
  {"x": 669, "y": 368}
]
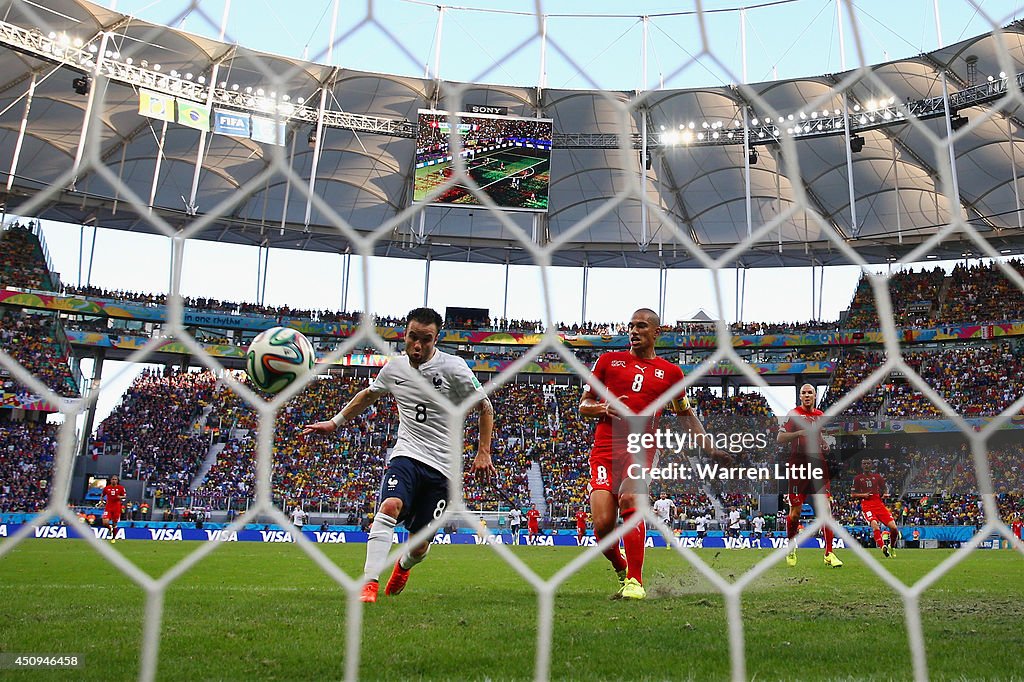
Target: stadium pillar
[
  {"x": 662, "y": 291},
  {"x": 318, "y": 143},
  {"x": 437, "y": 41},
  {"x": 81, "y": 249},
  {"x": 156, "y": 167},
  {"x": 737, "y": 317},
  {"x": 90, "y": 412},
  {"x": 814, "y": 288},
  {"x": 346, "y": 268},
  {"x": 821, "y": 290},
  {"x": 504, "y": 308},
  {"x": 1013, "y": 165},
  {"x": 583, "y": 308},
  {"x": 542, "y": 81},
  {"x": 92, "y": 254},
  {"x": 426, "y": 280},
  {"x": 743, "y": 293},
  {"x": 21, "y": 131},
  {"x": 90, "y": 103}
]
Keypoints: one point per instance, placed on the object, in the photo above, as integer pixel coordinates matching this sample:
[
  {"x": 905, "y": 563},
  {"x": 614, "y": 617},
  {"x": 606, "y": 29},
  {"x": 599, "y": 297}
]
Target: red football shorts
[
  {"x": 798, "y": 492},
  {"x": 875, "y": 510},
  {"x": 533, "y": 528},
  {"x": 610, "y": 470},
  {"x": 112, "y": 514}
]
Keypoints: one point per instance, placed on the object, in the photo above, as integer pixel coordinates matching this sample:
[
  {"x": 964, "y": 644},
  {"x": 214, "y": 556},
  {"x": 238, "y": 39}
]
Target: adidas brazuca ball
[{"x": 277, "y": 357}]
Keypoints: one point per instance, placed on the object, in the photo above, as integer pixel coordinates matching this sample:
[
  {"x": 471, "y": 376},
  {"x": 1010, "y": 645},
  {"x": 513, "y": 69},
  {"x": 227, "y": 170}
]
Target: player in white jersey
[
  {"x": 515, "y": 522},
  {"x": 414, "y": 489},
  {"x": 757, "y": 523},
  {"x": 299, "y": 517},
  {"x": 702, "y": 522},
  {"x": 664, "y": 508}
]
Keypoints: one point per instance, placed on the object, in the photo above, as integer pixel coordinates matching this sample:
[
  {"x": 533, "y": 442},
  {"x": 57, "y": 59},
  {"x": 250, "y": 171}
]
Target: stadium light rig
[
  {"x": 856, "y": 143},
  {"x": 956, "y": 122},
  {"x": 880, "y": 111}
]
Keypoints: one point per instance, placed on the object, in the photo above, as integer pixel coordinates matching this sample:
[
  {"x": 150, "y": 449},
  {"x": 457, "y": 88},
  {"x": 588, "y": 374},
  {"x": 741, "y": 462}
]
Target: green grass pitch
[{"x": 259, "y": 611}]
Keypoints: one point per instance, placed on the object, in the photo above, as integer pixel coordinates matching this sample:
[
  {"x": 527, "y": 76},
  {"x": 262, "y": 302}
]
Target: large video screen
[{"x": 508, "y": 158}]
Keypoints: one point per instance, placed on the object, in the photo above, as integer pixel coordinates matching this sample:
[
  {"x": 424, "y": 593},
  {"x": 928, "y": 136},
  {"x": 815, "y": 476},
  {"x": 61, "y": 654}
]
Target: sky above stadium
[{"x": 589, "y": 44}]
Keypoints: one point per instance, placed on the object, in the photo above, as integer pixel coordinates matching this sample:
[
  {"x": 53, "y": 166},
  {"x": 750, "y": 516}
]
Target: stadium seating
[
  {"x": 22, "y": 263},
  {"x": 155, "y": 427},
  {"x": 26, "y": 464},
  {"x": 30, "y": 338}
]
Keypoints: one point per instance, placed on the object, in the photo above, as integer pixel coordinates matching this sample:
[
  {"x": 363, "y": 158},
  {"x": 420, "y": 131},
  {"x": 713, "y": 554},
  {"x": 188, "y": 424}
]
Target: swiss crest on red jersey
[{"x": 659, "y": 373}]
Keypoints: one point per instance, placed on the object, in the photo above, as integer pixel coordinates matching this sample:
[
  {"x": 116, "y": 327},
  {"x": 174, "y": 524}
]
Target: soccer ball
[{"x": 277, "y": 357}]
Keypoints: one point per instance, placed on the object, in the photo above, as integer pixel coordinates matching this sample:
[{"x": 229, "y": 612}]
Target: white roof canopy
[{"x": 902, "y": 190}]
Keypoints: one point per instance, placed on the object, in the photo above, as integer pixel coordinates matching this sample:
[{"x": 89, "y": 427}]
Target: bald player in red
[
  {"x": 113, "y": 497},
  {"x": 638, "y": 378},
  {"x": 581, "y": 526},
  {"x": 868, "y": 487},
  {"x": 794, "y": 433}
]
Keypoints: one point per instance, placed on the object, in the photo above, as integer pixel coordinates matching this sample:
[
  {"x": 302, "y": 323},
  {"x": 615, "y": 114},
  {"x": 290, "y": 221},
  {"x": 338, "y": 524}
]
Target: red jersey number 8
[{"x": 638, "y": 383}]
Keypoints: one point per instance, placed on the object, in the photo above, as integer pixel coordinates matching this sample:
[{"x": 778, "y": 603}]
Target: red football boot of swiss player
[
  {"x": 369, "y": 594},
  {"x": 399, "y": 577}
]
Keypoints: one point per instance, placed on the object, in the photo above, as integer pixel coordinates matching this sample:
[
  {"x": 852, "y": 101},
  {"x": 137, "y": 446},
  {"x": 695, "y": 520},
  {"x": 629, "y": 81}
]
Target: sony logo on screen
[{"x": 481, "y": 109}]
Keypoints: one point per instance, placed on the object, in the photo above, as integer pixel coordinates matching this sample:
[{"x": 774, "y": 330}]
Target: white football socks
[
  {"x": 409, "y": 559},
  {"x": 378, "y": 544}
]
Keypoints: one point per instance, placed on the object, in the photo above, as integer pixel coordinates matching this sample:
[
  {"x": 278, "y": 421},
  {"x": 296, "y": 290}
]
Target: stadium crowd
[
  {"x": 977, "y": 380},
  {"x": 27, "y": 449},
  {"x": 155, "y": 428},
  {"x": 22, "y": 264},
  {"x": 30, "y": 339}
]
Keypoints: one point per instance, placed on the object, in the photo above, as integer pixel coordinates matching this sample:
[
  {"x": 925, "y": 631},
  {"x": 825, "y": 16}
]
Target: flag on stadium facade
[
  {"x": 268, "y": 130},
  {"x": 155, "y": 105},
  {"x": 193, "y": 115},
  {"x": 232, "y": 123}
]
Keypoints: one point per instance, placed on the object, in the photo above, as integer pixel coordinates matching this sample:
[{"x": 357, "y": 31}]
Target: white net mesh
[{"x": 783, "y": 211}]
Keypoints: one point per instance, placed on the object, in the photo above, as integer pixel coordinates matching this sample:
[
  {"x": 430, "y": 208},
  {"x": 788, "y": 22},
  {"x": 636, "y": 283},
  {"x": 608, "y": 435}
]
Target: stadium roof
[{"x": 364, "y": 173}]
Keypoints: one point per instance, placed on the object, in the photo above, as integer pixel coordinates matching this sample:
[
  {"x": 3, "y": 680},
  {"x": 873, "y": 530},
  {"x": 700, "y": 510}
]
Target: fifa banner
[
  {"x": 231, "y": 123},
  {"x": 194, "y": 115},
  {"x": 34, "y": 403},
  {"x": 156, "y": 105},
  {"x": 913, "y": 426},
  {"x": 268, "y": 130},
  {"x": 345, "y": 537}
]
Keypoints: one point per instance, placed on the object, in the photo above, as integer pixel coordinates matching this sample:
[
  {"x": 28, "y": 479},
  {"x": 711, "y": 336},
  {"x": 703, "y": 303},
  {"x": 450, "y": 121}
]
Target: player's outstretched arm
[
  {"x": 482, "y": 464},
  {"x": 360, "y": 401}
]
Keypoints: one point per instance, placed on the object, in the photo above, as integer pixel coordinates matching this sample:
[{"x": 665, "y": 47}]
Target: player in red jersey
[
  {"x": 802, "y": 458},
  {"x": 533, "y": 523},
  {"x": 868, "y": 487},
  {"x": 637, "y": 377},
  {"x": 1017, "y": 526},
  {"x": 581, "y": 526},
  {"x": 113, "y": 497}
]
